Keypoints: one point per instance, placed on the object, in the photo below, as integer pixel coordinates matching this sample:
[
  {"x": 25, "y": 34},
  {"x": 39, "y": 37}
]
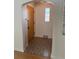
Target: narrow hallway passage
[{"x": 40, "y": 47}]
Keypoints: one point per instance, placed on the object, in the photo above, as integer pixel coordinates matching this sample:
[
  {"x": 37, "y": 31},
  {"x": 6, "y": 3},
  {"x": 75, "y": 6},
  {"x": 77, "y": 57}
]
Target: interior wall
[
  {"x": 18, "y": 37},
  {"x": 25, "y": 26},
  {"x": 18, "y": 29},
  {"x": 58, "y": 44},
  {"x": 41, "y": 27}
]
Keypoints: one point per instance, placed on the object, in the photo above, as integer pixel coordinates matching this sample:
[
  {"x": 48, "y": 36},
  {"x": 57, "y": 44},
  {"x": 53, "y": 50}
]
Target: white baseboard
[
  {"x": 20, "y": 50},
  {"x": 52, "y": 56}
]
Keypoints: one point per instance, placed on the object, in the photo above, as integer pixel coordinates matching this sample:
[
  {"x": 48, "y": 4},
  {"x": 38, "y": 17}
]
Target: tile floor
[{"x": 40, "y": 47}]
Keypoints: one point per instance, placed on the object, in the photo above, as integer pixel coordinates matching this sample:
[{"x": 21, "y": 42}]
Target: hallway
[
  {"x": 40, "y": 46},
  {"x": 39, "y": 18}
]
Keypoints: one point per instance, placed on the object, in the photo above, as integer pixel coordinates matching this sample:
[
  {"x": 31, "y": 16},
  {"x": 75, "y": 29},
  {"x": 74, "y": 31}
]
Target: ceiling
[{"x": 58, "y": 3}]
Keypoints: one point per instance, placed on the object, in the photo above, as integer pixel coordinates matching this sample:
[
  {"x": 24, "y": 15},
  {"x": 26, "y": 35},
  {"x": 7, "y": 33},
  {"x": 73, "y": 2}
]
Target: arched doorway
[{"x": 40, "y": 21}]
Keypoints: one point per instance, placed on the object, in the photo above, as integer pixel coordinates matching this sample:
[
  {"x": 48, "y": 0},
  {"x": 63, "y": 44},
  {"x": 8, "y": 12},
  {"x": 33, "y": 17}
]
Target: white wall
[
  {"x": 25, "y": 26},
  {"x": 18, "y": 29},
  {"x": 41, "y": 27},
  {"x": 18, "y": 39},
  {"x": 58, "y": 44}
]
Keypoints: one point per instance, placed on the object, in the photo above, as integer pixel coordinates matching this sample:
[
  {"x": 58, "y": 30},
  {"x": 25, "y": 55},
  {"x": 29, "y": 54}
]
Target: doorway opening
[{"x": 39, "y": 28}]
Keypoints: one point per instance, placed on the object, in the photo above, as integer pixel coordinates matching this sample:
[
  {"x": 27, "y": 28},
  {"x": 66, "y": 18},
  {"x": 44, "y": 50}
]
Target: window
[{"x": 47, "y": 14}]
